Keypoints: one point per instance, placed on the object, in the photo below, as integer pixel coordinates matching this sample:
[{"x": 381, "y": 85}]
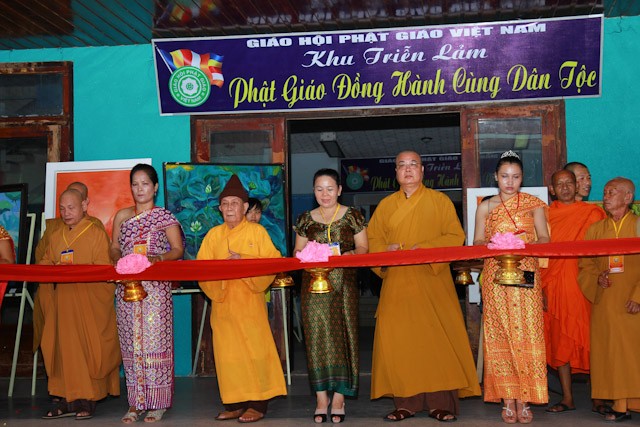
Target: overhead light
[
  {"x": 330, "y": 144},
  {"x": 426, "y": 139}
]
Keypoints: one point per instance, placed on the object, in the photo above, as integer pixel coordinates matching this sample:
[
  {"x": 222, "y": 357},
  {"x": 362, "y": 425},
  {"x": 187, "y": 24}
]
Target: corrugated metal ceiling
[{"x": 34, "y": 24}]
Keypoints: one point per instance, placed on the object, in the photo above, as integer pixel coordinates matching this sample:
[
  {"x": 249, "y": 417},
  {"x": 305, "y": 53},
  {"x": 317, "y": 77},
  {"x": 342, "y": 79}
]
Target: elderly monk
[
  {"x": 612, "y": 284},
  {"x": 421, "y": 352},
  {"x": 52, "y": 225},
  {"x": 568, "y": 313},
  {"x": 79, "y": 339},
  {"x": 583, "y": 179},
  {"x": 247, "y": 363}
]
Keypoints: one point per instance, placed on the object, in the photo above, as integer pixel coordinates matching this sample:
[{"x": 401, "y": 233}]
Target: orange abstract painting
[{"x": 109, "y": 191}]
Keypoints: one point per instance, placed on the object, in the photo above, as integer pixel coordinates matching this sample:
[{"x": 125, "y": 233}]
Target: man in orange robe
[
  {"x": 80, "y": 345},
  {"x": 567, "y": 315}
]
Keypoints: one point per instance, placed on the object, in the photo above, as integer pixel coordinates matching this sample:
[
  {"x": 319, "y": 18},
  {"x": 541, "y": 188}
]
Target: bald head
[
  {"x": 72, "y": 207},
  {"x": 617, "y": 197},
  {"x": 563, "y": 186},
  {"x": 80, "y": 187}
]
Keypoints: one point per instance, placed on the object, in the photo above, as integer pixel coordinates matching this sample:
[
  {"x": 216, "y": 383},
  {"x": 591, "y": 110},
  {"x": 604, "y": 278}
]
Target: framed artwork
[
  {"x": 474, "y": 198},
  {"x": 107, "y": 181},
  {"x": 13, "y": 217},
  {"x": 192, "y": 190}
]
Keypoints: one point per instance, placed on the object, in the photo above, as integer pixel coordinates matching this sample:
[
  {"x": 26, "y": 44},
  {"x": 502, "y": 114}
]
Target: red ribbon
[{"x": 234, "y": 269}]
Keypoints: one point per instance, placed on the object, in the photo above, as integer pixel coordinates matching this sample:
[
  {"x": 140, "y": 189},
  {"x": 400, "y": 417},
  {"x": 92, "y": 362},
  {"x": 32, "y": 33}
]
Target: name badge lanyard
[
  {"x": 75, "y": 238},
  {"x": 332, "y": 218}
]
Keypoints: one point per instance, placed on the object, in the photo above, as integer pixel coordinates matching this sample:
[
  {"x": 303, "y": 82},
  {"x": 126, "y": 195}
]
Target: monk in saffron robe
[
  {"x": 568, "y": 312},
  {"x": 247, "y": 363},
  {"x": 52, "y": 225},
  {"x": 80, "y": 343},
  {"x": 612, "y": 284},
  {"x": 421, "y": 352}
]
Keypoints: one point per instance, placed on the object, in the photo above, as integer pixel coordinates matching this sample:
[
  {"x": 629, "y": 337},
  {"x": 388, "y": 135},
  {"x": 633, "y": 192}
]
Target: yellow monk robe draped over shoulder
[
  {"x": 421, "y": 344},
  {"x": 247, "y": 363},
  {"x": 568, "y": 314},
  {"x": 615, "y": 334},
  {"x": 80, "y": 343}
]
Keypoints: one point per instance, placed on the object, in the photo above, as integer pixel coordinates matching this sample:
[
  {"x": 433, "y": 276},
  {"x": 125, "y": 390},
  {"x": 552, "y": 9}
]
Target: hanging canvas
[
  {"x": 13, "y": 216},
  {"x": 192, "y": 191},
  {"x": 107, "y": 181}
]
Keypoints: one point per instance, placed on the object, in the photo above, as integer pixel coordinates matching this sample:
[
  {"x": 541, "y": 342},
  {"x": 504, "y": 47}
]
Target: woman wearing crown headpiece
[{"x": 514, "y": 359}]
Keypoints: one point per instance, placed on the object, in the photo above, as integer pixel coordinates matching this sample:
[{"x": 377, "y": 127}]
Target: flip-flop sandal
[
  {"x": 601, "y": 409},
  {"x": 399, "y": 414},
  {"x": 440, "y": 414},
  {"x": 562, "y": 406},
  {"x": 618, "y": 416}
]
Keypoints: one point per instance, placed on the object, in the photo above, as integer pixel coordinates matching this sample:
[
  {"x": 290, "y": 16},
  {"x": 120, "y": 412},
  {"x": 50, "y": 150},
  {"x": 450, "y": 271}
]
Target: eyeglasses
[
  {"x": 412, "y": 164},
  {"x": 234, "y": 204}
]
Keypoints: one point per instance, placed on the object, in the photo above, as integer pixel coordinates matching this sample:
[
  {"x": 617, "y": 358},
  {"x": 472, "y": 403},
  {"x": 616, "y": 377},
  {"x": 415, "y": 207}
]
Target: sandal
[
  {"x": 441, "y": 415},
  {"x": 61, "y": 409},
  {"x": 525, "y": 416},
  {"x": 131, "y": 416},
  {"x": 617, "y": 416},
  {"x": 250, "y": 416},
  {"x": 508, "y": 414},
  {"x": 398, "y": 415},
  {"x": 154, "y": 415},
  {"x": 84, "y": 409},
  {"x": 320, "y": 416},
  {"x": 559, "y": 408},
  {"x": 338, "y": 415},
  {"x": 229, "y": 415},
  {"x": 601, "y": 409}
]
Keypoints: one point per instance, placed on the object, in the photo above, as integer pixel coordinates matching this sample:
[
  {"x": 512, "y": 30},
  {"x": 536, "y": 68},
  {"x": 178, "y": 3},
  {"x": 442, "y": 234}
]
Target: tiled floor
[{"x": 197, "y": 401}]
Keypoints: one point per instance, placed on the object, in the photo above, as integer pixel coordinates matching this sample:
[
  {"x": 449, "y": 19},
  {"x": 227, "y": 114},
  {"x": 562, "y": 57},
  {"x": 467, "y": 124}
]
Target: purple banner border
[{"x": 502, "y": 69}]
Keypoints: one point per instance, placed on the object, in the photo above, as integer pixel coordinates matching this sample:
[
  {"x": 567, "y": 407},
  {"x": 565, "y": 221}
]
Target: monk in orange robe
[
  {"x": 80, "y": 345},
  {"x": 568, "y": 312},
  {"x": 611, "y": 284}
]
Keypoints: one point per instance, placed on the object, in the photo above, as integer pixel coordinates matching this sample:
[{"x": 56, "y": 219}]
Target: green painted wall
[
  {"x": 604, "y": 132},
  {"x": 116, "y": 117}
]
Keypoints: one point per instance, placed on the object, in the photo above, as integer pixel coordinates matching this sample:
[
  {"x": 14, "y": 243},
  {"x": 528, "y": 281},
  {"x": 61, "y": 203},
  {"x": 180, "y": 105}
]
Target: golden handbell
[
  {"x": 133, "y": 291},
  {"x": 319, "y": 280},
  {"x": 509, "y": 274},
  {"x": 463, "y": 277},
  {"x": 282, "y": 280}
]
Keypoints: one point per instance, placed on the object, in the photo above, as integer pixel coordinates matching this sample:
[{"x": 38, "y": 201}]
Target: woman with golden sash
[{"x": 515, "y": 369}]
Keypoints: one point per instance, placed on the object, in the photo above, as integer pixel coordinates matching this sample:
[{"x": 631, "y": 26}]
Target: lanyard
[
  {"x": 75, "y": 238},
  {"x": 332, "y": 218},
  {"x": 617, "y": 228}
]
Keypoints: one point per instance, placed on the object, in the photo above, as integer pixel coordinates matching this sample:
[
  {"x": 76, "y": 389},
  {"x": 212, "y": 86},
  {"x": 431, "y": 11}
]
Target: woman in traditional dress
[
  {"x": 330, "y": 320},
  {"x": 146, "y": 327},
  {"x": 515, "y": 369},
  {"x": 6, "y": 256}
]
